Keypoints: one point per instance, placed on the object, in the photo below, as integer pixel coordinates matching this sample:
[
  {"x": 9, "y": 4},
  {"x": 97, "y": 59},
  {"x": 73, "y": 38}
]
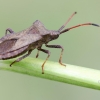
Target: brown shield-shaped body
[{"x": 13, "y": 45}]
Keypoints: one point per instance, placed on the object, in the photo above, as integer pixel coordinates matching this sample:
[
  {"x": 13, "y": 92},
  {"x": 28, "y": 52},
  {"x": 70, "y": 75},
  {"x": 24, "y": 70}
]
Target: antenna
[
  {"x": 78, "y": 26},
  {"x": 67, "y": 21}
]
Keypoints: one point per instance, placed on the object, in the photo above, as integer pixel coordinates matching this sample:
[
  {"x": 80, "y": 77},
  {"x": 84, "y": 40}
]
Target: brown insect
[{"x": 15, "y": 44}]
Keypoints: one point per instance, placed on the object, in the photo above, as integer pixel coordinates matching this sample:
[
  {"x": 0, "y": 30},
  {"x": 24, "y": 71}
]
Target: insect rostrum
[{"x": 16, "y": 44}]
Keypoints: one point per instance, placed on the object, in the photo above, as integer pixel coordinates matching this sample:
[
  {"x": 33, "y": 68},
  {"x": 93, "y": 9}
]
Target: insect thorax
[
  {"x": 47, "y": 35},
  {"x": 42, "y": 30}
]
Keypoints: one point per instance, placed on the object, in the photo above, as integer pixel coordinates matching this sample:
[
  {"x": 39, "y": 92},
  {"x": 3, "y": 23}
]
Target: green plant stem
[{"x": 71, "y": 74}]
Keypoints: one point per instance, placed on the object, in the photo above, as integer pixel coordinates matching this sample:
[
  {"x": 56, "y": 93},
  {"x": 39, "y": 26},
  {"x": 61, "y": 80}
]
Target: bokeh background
[{"x": 81, "y": 46}]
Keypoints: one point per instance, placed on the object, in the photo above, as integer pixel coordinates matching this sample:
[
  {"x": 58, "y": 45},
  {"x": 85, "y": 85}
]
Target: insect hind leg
[
  {"x": 19, "y": 59},
  {"x": 10, "y": 30}
]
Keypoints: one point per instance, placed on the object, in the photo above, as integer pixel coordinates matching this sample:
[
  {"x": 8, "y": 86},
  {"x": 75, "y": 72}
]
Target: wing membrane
[{"x": 7, "y": 45}]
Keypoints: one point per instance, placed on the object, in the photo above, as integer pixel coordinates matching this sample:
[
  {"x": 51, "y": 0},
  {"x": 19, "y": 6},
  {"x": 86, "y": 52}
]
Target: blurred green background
[{"x": 82, "y": 46}]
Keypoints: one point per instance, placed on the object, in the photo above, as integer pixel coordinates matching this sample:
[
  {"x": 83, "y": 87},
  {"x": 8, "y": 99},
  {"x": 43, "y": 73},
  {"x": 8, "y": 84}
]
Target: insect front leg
[
  {"x": 10, "y": 30},
  {"x": 57, "y": 46},
  {"x": 45, "y": 51},
  {"x": 19, "y": 59}
]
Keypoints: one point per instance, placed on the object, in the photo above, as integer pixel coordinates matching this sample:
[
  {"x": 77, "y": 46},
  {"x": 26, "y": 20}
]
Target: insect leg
[
  {"x": 10, "y": 30},
  {"x": 45, "y": 51},
  {"x": 19, "y": 59},
  {"x": 37, "y": 54},
  {"x": 57, "y": 46}
]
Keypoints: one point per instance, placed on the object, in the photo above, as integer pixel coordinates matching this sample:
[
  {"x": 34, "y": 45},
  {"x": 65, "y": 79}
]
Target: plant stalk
[{"x": 70, "y": 74}]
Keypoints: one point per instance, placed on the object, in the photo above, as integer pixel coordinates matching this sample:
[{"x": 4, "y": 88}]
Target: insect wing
[
  {"x": 15, "y": 41},
  {"x": 26, "y": 40}
]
